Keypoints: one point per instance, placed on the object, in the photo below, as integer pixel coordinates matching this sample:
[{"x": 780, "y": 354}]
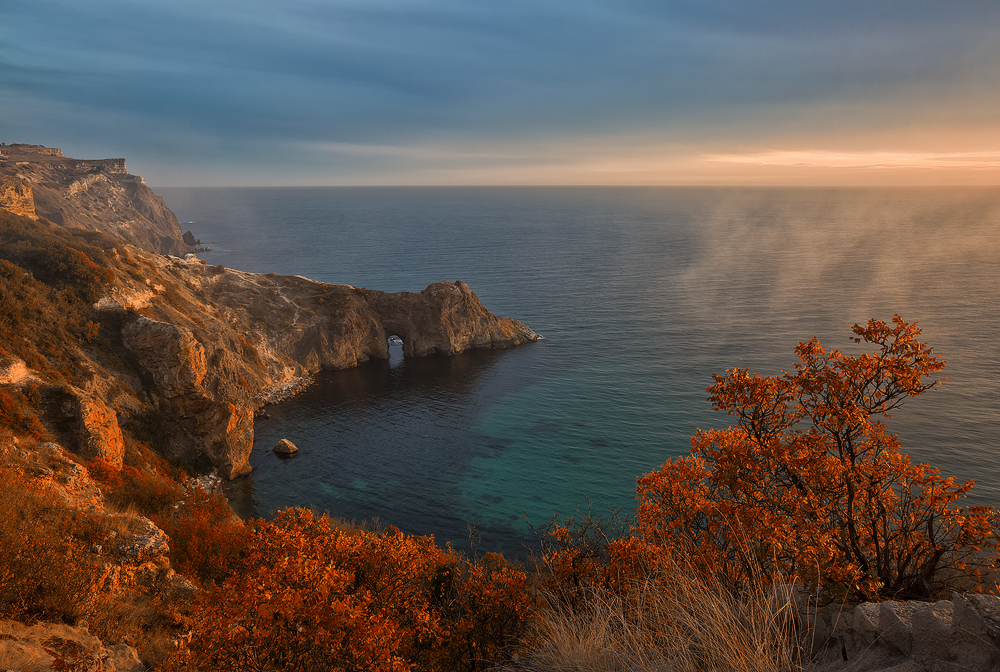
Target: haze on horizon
[{"x": 376, "y": 92}]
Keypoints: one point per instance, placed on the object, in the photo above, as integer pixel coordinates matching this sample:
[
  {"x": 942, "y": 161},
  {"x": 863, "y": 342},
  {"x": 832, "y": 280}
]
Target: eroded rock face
[
  {"x": 16, "y": 196},
  {"x": 170, "y": 353},
  {"x": 176, "y": 360},
  {"x": 444, "y": 319},
  {"x": 99, "y": 435},
  {"x": 226, "y": 339},
  {"x": 50, "y": 646},
  {"x": 98, "y": 195}
]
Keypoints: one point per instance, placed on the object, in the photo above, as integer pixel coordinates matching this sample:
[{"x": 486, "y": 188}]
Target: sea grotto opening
[{"x": 395, "y": 350}]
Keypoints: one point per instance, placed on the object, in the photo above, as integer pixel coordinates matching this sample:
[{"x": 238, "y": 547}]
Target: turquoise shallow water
[{"x": 641, "y": 294}]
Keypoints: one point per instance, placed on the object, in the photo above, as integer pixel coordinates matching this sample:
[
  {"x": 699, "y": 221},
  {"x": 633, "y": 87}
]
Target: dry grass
[
  {"x": 675, "y": 623},
  {"x": 53, "y": 558},
  {"x": 14, "y": 656}
]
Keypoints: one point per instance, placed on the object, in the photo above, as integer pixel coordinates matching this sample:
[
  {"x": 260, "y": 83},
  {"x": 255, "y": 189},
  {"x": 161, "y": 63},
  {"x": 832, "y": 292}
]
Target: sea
[{"x": 641, "y": 294}]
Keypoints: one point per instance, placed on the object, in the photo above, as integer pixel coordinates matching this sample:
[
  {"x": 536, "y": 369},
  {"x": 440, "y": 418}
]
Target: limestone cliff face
[
  {"x": 444, "y": 319},
  {"x": 98, "y": 195},
  {"x": 176, "y": 361},
  {"x": 215, "y": 342},
  {"x": 16, "y": 196},
  {"x": 197, "y": 349}
]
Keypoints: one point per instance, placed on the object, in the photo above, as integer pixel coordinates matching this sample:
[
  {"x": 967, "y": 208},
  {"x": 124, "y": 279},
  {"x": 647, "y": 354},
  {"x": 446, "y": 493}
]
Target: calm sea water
[{"x": 641, "y": 294}]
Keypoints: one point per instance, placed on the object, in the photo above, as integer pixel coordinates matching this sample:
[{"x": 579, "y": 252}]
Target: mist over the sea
[{"x": 641, "y": 294}]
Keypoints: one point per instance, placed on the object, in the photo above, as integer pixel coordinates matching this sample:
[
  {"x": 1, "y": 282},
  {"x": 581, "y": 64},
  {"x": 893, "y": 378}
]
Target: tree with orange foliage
[{"x": 810, "y": 484}]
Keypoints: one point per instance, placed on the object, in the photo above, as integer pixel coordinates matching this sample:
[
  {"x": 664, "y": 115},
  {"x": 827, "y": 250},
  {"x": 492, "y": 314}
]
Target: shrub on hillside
[
  {"x": 809, "y": 484},
  {"x": 311, "y": 596},
  {"x": 16, "y": 415},
  {"x": 49, "y": 280},
  {"x": 147, "y": 491},
  {"x": 206, "y": 541},
  {"x": 45, "y": 571}
]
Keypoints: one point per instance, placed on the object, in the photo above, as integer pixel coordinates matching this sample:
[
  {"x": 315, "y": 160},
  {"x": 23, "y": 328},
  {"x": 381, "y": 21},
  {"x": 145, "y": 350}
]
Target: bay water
[{"x": 641, "y": 294}]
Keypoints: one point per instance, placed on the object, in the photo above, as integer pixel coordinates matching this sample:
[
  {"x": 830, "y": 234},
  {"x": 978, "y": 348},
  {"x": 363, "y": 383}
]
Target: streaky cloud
[{"x": 865, "y": 159}]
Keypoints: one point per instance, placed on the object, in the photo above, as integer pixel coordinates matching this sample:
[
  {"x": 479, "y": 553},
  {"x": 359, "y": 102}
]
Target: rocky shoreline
[{"x": 206, "y": 347}]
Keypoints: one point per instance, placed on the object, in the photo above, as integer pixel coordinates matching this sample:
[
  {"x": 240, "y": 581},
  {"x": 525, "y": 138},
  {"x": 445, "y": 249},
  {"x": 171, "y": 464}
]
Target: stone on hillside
[
  {"x": 48, "y": 646},
  {"x": 285, "y": 448},
  {"x": 932, "y": 627},
  {"x": 98, "y": 433},
  {"x": 895, "y": 624}
]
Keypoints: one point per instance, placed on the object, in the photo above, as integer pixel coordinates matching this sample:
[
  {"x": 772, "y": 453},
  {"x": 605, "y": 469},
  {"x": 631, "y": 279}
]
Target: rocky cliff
[
  {"x": 97, "y": 195},
  {"x": 217, "y": 343},
  {"x": 197, "y": 349}
]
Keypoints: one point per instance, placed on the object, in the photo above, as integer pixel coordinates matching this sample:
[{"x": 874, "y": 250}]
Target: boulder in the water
[{"x": 285, "y": 448}]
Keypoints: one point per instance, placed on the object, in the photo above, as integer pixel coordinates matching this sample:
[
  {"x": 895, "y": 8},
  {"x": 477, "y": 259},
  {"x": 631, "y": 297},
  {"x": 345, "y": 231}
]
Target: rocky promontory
[
  {"x": 217, "y": 342},
  {"x": 91, "y": 194},
  {"x": 192, "y": 348}
]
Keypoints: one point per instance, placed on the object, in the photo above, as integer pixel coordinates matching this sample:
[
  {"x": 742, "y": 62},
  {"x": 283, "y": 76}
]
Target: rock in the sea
[{"x": 285, "y": 448}]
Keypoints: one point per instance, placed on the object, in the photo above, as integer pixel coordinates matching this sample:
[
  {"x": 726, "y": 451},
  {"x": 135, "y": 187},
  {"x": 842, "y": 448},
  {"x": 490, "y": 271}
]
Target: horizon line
[{"x": 583, "y": 186}]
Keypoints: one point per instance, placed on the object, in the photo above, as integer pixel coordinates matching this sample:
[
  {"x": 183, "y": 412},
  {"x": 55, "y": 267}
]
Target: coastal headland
[{"x": 199, "y": 347}]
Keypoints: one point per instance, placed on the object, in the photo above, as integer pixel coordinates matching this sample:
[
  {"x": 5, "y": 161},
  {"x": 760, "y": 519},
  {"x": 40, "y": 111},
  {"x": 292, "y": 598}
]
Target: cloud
[
  {"x": 871, "y": 159},
  {"x": 379, "y": 86}
]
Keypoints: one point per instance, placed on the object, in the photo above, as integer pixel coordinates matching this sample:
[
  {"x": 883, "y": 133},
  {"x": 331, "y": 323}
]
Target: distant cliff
[{"x": 97, "y": 195}]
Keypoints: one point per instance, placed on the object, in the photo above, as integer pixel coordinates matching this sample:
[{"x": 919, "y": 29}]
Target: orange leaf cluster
[{"x": 309, "y": 595}]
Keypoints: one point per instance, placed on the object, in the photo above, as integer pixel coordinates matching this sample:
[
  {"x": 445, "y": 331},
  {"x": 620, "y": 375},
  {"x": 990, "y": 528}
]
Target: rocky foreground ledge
[{"x": 960, "y": 634}]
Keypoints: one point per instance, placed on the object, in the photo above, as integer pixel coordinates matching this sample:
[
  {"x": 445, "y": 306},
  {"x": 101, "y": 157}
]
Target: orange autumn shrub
[
  {"x": 311, "y": 596},
  {"x": 105, "y": 473},
  {"x": 45, "y": 570},
  {"x": 486, "y": 612},
  {"x": 809, "y": 484},
  {"x": 582, "y": 554},
  {"x": 18, "y": 417},
  {"x": 206, "y": 539},
  {"x": 148, "y": 490}
]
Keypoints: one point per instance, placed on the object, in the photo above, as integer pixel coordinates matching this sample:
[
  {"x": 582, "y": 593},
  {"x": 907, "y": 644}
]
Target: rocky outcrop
[
  {"x": 98, "y": 432},
  {"x": 225, "y": 340},
  {"x": 444, "y": 319},
  {"x": 56, "y": 646},
  {"x": 97, "y": 195},
  {"x": 83, "y": 421},
  {"x": 962, "y": 633},
  {"x": 121, "y": 556},
  {"x": 222, "y": 430},
  {"x": 16, "y": 196}
]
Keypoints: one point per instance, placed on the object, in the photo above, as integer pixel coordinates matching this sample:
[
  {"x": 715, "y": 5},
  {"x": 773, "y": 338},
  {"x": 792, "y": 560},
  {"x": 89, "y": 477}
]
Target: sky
[{"x": 510, "y": 92}]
